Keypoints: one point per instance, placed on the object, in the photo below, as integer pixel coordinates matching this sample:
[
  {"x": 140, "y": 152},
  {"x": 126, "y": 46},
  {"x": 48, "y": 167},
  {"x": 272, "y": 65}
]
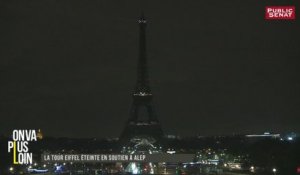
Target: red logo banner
[{"x": 280, "y": 12}]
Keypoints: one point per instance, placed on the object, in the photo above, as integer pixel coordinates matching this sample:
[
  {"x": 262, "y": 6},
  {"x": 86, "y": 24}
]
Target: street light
[{"x": 252, "y": 169}]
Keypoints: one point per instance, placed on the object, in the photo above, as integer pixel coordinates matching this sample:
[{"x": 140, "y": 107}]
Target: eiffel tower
[{"x": 143, "y": 126}]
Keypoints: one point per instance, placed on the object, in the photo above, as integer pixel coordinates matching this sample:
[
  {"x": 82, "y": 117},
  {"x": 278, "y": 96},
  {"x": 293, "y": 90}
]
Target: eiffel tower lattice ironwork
[{"x": 143, "y": 123}]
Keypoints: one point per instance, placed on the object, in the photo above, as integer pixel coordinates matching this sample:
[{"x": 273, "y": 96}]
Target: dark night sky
[{"x": 216, "y": 67}]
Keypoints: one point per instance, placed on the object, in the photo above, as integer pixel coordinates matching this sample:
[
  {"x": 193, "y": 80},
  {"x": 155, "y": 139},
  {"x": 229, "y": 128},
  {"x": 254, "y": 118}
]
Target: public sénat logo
[
  {"x": 280, "y": 13},
  {"x": 19, "y": 145}
]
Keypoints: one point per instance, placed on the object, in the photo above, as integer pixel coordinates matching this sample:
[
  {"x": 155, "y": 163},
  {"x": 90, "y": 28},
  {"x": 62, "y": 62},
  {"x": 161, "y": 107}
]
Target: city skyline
[{"x": 70, "y": 68}]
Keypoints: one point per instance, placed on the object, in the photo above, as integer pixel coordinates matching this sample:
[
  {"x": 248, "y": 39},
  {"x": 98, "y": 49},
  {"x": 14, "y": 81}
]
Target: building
[{"x": 143, "y": 131}]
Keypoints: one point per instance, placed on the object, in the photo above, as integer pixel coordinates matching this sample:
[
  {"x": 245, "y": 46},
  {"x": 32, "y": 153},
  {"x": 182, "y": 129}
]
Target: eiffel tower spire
[
  {"x": 142, "y": 84},
  {"x": 142, "y": 108}
]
